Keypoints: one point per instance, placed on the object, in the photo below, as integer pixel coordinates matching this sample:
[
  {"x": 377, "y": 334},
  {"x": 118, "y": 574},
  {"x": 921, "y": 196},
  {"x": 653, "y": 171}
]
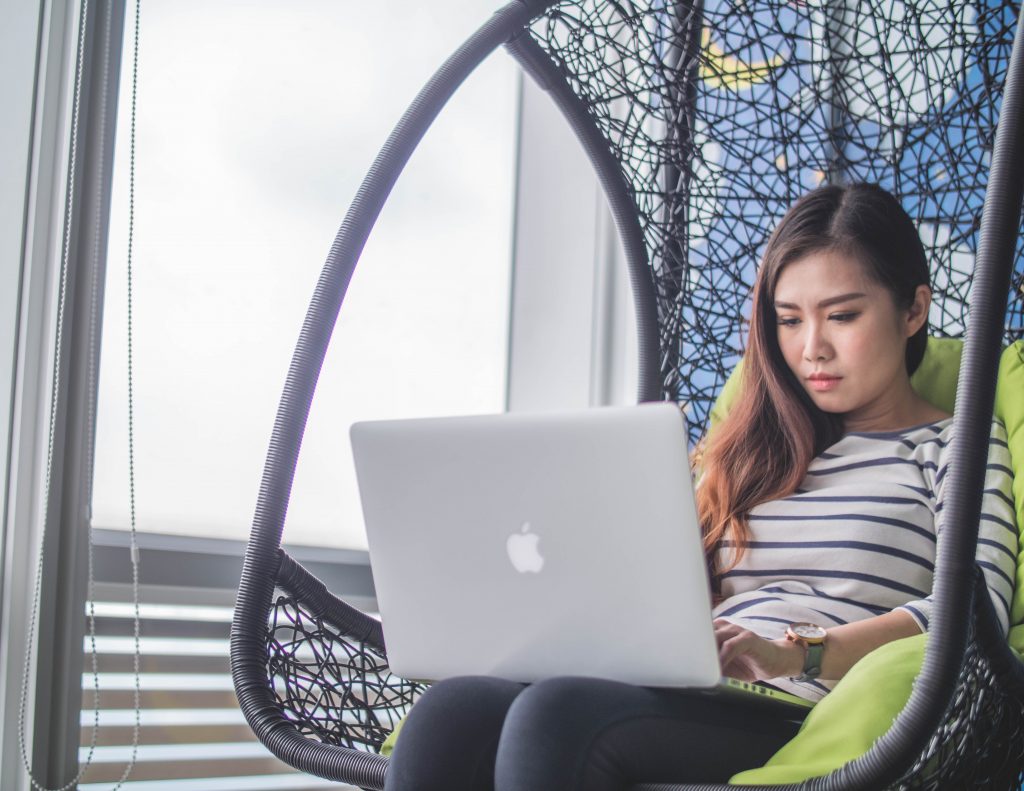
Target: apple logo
[{"x": 523, "y": 552}]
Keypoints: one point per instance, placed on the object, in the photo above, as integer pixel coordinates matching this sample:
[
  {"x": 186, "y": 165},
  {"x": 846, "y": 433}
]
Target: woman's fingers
[
  {"x": 726, "y": 629},
  {"x": 736, "y": 645},
  {"x": 735, "y": 661},
  {"x": 741, "y": 653}
]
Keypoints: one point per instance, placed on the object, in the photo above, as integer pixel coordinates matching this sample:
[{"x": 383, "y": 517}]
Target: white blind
[{"x": 193, "y": 736}]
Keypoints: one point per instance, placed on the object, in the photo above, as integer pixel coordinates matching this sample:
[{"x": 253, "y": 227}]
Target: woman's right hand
[{"x": 750, "y": 657}]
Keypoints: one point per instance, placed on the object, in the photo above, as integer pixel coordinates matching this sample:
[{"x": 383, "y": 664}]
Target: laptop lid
[{"x": 531, "y": 545}]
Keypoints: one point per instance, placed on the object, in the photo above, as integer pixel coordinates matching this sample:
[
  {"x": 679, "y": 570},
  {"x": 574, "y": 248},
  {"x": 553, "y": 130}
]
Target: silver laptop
[{"x": 526, "y": 546}]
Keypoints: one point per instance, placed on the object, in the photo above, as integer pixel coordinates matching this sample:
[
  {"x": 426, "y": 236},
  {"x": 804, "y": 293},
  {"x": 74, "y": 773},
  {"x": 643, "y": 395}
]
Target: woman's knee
[
  {"x": 458, "y": 709},
  {"x": 451, "y": 734},
  {"x": 569, "y": 702},
  {"x": 549, "y": 731},
  {"x": 469, "y": 694}
]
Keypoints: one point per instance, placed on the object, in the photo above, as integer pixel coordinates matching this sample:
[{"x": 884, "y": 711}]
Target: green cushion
[
  {"x": 1010, "y": 409},
  {"x": 848, "y": 720},
  {"x": 935, "y": 378},
  {"x": 844, "y": 724},
  {"x": 389, "y": 743}
]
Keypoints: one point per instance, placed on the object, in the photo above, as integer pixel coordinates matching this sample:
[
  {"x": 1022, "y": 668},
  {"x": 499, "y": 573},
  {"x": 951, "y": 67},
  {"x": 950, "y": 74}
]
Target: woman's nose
[{"x": 816, "y": 346}]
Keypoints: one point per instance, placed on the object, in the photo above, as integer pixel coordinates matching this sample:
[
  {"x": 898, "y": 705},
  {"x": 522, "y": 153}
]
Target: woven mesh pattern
[
  {"x": 722, "y": 117},
  {"x": 981, "y": 744},
  {"x": 333, "y": 688}
]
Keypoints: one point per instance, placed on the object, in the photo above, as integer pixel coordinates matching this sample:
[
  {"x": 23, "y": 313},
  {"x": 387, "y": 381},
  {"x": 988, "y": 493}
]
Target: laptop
[{"x": 531, "y": 545}]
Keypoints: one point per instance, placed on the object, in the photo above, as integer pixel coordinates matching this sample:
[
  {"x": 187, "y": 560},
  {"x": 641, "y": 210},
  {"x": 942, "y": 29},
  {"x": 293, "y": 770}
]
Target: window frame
[
  {"x": 572, "y": 339},
  {"x": 65, "y": 212}
]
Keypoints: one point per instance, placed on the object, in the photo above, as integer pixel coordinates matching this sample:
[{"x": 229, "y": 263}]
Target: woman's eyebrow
[{"x": 825, "y": 302}]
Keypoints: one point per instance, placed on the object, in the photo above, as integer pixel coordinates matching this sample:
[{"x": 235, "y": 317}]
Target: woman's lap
[{"x": 576, "y": 733}]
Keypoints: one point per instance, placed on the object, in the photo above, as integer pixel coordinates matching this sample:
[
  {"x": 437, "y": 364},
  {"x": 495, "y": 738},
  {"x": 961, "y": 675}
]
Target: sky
[{"x": 256, "y": 122}]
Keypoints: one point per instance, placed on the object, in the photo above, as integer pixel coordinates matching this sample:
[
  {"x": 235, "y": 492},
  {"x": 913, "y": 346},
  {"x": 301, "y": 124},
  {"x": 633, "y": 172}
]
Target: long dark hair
[{"x": 762, "y": 449}]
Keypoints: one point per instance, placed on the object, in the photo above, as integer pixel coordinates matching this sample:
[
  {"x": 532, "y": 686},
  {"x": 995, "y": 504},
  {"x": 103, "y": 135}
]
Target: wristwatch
[{"x": 812, "y": 638}]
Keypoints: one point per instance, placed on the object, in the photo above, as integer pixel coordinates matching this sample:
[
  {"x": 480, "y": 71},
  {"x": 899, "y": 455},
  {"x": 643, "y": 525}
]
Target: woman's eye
[
  {"x": 843, "y": 317},
  {"x": 785, "y": 321}
]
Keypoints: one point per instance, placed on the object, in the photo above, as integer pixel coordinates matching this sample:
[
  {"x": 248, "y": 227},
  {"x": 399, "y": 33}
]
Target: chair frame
[{"x": 962, "y": 624}]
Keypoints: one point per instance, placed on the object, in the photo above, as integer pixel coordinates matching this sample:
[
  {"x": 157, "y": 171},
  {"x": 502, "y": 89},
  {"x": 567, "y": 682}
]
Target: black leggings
[{"x": 576, "y": 734}]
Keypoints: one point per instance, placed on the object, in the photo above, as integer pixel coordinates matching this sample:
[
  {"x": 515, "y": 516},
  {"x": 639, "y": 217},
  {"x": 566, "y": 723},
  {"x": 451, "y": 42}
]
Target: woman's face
[{"x": 843, "y": 336}]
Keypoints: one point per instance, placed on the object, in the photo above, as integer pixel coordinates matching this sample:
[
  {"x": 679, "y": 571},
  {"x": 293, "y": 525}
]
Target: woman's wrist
[{"x": 794, "y": 655}]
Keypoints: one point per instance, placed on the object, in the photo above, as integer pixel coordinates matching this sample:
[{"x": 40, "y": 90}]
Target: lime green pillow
[
  {"x": 389, "y": 743},
  {"x": 863, "y": 705},
  {"x": 1010, "y": 409},
  {"x": 849, "y": 719}
]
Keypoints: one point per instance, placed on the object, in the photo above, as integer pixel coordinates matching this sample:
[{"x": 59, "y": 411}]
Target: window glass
[{"x": 255, "y": 125}]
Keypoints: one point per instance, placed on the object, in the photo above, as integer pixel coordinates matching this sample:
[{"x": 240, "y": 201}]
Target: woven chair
[{"x": 703, "y": 122}]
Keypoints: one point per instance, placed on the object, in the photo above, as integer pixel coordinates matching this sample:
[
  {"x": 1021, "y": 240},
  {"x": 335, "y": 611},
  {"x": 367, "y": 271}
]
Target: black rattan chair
[{"x": 704, "y": 121}]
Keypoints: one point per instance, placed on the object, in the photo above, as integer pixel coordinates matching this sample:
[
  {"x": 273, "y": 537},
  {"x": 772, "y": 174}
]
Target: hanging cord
[
  {"x": 134, "y": 545},
  {"x": 55, "y": 389}
]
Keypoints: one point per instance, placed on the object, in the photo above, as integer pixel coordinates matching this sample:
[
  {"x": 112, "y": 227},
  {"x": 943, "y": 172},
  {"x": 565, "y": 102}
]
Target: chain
[
  {"x": 131, "y": 402},
  {"x": 55, "y": 389}
]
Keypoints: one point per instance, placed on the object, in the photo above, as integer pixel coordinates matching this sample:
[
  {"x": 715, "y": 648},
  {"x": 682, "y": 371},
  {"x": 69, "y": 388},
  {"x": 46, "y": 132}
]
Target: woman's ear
[{"x": 917, "y": 313}]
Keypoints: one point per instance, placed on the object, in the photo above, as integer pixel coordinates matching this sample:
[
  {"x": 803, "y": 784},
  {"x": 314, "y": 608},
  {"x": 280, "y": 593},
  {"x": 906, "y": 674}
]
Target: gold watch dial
[{"x": 808, "y": 631}]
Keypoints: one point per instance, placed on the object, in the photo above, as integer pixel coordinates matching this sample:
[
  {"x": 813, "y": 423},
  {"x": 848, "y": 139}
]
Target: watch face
[{"x": 808, "y": 631}]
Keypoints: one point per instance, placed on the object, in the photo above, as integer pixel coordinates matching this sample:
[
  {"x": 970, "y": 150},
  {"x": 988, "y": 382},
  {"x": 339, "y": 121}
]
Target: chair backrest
[{"x": 723, "y": 113}]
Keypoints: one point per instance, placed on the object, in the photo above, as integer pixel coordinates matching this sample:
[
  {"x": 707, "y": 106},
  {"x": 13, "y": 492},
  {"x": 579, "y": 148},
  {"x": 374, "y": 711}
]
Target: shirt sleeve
[{"x": 997, "y": 530}]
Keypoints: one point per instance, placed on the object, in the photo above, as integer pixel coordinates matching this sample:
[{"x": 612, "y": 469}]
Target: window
[{"x": 255, "y": 126}]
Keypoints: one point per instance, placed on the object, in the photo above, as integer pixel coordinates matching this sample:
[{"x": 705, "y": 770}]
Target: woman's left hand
[{"x": 748, "y": 657}]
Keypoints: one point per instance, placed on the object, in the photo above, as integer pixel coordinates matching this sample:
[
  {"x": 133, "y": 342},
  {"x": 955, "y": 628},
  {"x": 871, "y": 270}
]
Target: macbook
[{"x": 530, "y": 545}]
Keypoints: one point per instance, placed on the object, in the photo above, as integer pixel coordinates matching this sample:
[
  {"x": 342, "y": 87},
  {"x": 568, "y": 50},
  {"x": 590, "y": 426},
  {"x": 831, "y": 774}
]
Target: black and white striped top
[{"x": 858, "y": 538}]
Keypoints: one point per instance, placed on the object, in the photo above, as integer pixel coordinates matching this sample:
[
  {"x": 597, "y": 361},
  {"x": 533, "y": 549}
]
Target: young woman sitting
[{"x": 819, "y": 497}]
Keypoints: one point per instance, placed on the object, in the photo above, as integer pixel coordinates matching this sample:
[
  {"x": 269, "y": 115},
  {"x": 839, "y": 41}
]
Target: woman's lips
[{"x": 823, "y": 384}]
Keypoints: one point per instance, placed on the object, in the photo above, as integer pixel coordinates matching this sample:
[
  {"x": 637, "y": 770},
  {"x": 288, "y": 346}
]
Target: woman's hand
[{"x": 748, "y": 657}]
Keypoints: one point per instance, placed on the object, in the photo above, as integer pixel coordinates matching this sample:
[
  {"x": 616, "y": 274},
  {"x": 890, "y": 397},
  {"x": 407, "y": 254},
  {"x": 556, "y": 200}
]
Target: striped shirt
[{"x": 858, "y": 538}]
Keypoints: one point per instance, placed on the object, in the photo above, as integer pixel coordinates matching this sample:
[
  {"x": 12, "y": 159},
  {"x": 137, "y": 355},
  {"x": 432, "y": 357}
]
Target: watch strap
[{"x": 812, "y": 661}]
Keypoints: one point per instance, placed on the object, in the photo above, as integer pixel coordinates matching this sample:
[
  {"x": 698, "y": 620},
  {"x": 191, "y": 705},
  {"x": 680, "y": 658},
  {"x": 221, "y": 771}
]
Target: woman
[{"x": 817, "y": 499}]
